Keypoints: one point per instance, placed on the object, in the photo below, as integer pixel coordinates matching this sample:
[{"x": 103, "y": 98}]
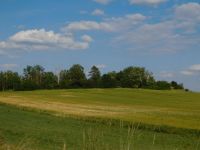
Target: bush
[{"x": 163, "y": 85}]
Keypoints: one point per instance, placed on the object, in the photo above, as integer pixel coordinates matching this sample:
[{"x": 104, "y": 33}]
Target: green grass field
[{"x": 100, "y": 119}]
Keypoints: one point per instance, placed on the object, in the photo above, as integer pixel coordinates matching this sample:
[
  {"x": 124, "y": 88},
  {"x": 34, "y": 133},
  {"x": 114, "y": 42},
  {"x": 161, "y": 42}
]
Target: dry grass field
[
  {"x": 92, "y": 119},
  {"x": 172, "y": 108}
]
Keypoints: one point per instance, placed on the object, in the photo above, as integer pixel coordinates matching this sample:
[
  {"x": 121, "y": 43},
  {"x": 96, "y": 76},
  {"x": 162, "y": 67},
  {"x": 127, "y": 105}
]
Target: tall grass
[
  {"x": 94, "y": 139},
  {"x": 23, "y": 145}
]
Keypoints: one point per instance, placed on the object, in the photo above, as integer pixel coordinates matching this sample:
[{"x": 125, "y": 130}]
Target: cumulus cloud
[
  {"x": 114, "y": 24},
  {"x": 87, "y": 38},
  {"x": 188, "y": 11},
  {"x": 41, "y": 39},
  {"x": 104, "y": 2},
  {"x": 160, "y": 37},
  {"x": 172, "y": 35},
  {"x": 146, "y": 2},
  {"x": 98, "y": 12},
  {"x": 166, "y": 36},
  {"x": 192, "y": 70},
  {"x": 135, "y": 30},
  {"x": 188, "y": 15}
]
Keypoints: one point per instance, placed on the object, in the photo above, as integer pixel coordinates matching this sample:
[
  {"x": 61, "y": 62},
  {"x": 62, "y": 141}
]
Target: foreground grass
[
  {"x": 24, "y": 129},
  {"x": 176, "y": 109}
]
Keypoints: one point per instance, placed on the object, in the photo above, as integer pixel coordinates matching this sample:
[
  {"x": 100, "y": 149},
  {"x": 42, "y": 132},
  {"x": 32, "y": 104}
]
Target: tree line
[{"x": 35, "y": 77}]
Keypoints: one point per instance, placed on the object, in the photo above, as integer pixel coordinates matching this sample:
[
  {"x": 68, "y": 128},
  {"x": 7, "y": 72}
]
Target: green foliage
[
  {"x": 109, "y": 80},
  {"x": 49, "y": 80},
  {"x": 32, "y": 77},
  {"x": 28, "y": 84},
  {"x": 34, "y": 74},
  {"x": 35, "y": 77},
  {"x": 72, "y": 78},
  {"x": 175, "y": 85},
  {"x": 9, "y": 80},
  {"x": 136, "y": 77},
  {"x": 94, "y": 77},
  {"x": 77, "y": 76},
  {"x": 64, "y": 79},
  {"x": 163, "y": 85}
]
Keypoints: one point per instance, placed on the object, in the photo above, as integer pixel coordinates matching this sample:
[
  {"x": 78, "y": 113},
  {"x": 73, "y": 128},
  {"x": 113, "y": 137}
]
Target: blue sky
[{"x": 161, "y": 35}]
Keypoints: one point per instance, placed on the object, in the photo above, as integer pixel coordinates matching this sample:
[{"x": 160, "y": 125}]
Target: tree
[
  {"x": 14, "y": 81},
  {"x": 49, "y": 80},
  {"x": 77, "y": 76},
  {"x": 136, "y": 77},
  {"x": 38, "y": 72},
  {"x": 175, "y": 85},
  {"x": 28, "y": 73},
  {"x": 2, "y": 81},
  {"x": 150, "y": 82},
  {"x": 9, "y": 81},
  {"x": 95, "y": 77},
  {"x": 109, "y": 80},
  {"x": 64, "y": 79},
  {"x": 33, "y": 76}
]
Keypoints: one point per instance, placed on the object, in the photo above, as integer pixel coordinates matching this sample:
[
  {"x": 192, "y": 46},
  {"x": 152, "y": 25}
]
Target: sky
[{"x": 160, "y": 35}]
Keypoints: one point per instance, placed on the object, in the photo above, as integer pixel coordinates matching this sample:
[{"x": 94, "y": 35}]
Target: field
[{"x": 100, "y": 119}]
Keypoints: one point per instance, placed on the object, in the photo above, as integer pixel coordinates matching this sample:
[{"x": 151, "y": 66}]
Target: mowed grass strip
[{"x": 169, "y": 108}]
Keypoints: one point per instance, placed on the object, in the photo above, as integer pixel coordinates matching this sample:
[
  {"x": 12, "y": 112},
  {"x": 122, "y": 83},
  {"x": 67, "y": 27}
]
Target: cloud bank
[{"x": 136, "y": 31}]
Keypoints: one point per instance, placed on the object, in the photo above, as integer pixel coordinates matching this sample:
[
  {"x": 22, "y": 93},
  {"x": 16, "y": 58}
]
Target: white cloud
[
  {"x": 8, "y": 66},
  {"x": 101, "y": 66},
  {"x": 87, "y": 38},
  {"x": 88, "y": 25},
  {"x": 188, "y": 15},
  {"x": 146, "y": 2},
  {"x": 171, "y": 35},
  {"x": 98, "y": 12},
  {"x": 192, "y": 70},
  {"x": 133, "y": 30},
  {"x": 166, "y": 74},
  {"x": 187, "y": 72},
  {"x": 188, "y": 11},
  {"x": 104, "y": 2},
  {"x": 125, "y": 23},
  {"x": 35, "y": 36},
  {"x": 114, "y": 24},
  {"x": 41, "y": 39},
  {"x": 195, "y": 67},
  {"x": 160, "y": 37}
]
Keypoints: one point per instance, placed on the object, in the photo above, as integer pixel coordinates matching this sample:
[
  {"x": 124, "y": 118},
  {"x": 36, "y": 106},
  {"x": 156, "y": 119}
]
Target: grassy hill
[{"x": 96, "y": 118}]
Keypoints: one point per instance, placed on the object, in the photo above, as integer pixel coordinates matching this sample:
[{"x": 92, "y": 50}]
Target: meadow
[{"x": 100, "y": 119}]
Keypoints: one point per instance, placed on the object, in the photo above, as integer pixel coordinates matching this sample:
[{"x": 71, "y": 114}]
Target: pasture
[{"x": 101, "y": 118}]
